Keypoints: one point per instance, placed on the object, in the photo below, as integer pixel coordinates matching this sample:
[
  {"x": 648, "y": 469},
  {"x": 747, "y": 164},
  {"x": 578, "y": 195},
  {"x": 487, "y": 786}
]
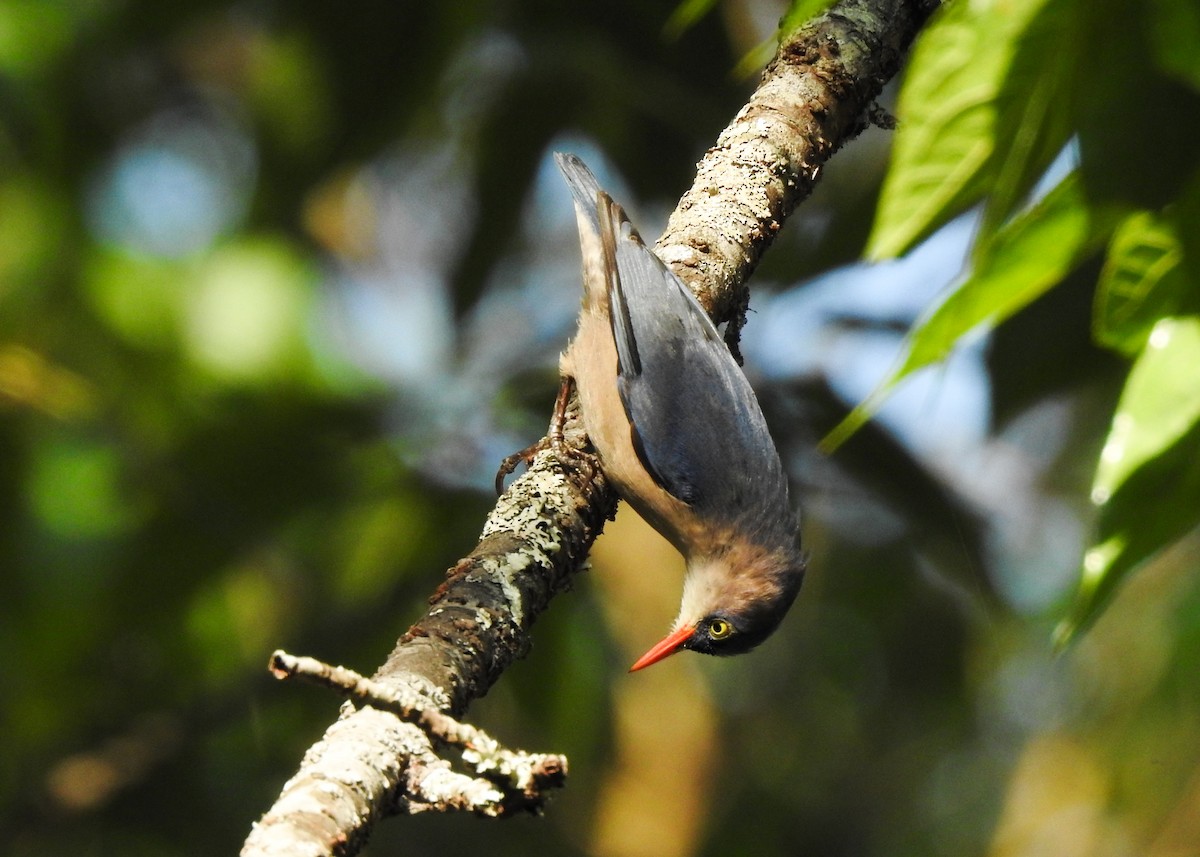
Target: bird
[{"x": 679, "y": 433}]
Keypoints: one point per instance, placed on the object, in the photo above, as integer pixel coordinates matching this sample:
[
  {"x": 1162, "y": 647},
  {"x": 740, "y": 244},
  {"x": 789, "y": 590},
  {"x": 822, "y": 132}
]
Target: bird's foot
[
  {"x": 510, "y": 462},
  {"x": 568, "y": 455}
]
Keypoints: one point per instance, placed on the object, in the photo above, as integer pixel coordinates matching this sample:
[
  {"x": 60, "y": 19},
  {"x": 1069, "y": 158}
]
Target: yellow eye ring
[{"x": 719, "y": 629}]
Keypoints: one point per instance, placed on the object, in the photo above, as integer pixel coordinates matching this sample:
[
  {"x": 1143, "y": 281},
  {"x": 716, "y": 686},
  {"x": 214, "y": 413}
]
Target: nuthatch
[{"x": 679, "y": 434}]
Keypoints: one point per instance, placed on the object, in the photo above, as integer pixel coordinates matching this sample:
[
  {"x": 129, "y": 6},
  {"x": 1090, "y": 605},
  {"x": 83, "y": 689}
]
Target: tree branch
[
  {"x": 513, "y": 779},
  {"x": 812, "y": 98}
]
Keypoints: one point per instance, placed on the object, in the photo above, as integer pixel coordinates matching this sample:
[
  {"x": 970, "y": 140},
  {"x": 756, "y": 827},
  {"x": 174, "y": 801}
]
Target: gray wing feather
[
  {"x": 584, "y": 187},
  {"x": 591, "y": 202},
  {"x": 697, "y": 426}
]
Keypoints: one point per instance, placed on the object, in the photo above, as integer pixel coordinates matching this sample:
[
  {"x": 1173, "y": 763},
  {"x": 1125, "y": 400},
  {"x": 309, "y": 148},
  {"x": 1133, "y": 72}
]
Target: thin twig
[{"x": 515, "y": 771}]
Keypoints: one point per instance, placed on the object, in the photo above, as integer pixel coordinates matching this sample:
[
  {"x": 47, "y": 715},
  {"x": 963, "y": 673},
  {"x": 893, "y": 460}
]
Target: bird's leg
[
  {"x": 559, "y": 423},
  {"x": 566, "y": 453},
  {"x": 510, "y": 462},
  {"x": 555, "y": 439}
]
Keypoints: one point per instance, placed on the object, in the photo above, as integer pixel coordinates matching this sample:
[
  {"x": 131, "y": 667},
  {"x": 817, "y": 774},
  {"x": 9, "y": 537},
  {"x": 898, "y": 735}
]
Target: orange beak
[{"x": 669, "y": 645}]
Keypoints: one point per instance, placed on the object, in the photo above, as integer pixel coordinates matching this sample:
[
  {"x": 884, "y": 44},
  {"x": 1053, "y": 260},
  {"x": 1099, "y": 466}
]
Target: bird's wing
[
  {"x": 583, "y": 186},
  {"x": 696, "y": 423}
]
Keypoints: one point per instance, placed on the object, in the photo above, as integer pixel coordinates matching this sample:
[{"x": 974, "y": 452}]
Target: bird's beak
[{"x": 669, "y": 645}]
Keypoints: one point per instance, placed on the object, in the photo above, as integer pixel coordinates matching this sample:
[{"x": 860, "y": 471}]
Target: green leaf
[
  {"x": 968, "y": 119},
  {"x": 1120, "y": 102},
  {"x": 754, "y": 59},
  {"x": 686, "y": 15},
  {"x": 1160, "y": 403},
  {"x": 1174, "y": 34},
  {"x": 800, "y": 13},
  {"x": 1142, "y": 281},
  {"x": 1147, "y": 482},
  {"x": 1031, "y": 125},
  {"x": 1027, "y": 258}
]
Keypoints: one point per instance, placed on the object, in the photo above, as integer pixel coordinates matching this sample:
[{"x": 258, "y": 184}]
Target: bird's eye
[{"x": 719, "y": 629}]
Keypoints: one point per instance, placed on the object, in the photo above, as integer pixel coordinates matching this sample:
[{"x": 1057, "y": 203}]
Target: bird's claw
[{"x": 555, "y": 439}]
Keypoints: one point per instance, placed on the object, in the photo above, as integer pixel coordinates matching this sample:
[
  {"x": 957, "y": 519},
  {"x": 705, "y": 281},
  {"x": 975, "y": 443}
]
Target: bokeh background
[{"x": 280, "y": 283}]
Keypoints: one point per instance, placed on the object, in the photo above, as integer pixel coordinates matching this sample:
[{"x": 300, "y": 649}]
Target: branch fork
[{"x": 507, "y": 780}]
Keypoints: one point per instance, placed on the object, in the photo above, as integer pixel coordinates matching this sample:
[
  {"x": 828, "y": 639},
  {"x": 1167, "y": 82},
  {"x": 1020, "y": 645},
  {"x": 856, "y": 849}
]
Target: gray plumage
[
  {"x": 688, "y": 401},
  {"x": 679, "y": 432}
]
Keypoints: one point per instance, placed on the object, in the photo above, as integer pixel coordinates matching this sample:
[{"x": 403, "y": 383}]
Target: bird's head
[{"x": 732, "y": 601}]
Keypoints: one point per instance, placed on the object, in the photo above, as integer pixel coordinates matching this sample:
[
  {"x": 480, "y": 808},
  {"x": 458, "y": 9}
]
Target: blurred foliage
[
  {"x": 993, "y": 94},
  {"x": 281, "y": 282}
]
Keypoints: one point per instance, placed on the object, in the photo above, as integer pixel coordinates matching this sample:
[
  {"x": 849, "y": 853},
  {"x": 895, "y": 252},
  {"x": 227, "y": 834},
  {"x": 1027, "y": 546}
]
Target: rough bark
[{"x": 813, "y": 97}]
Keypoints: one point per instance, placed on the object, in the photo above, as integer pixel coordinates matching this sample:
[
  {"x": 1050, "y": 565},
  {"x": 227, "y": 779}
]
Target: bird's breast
[{"x": 591, "y": 360}]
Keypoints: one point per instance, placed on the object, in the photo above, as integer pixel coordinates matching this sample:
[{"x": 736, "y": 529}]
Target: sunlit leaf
[
  {"x": 950, "y": 118},
  {"x": 1031, "y": 125},
  {"x": 1148, "y": 479},
  {"x": 1026, "y": 258},
  {"x": 1142, "y": 281},
  {"x": 1160, "y": 403}
]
